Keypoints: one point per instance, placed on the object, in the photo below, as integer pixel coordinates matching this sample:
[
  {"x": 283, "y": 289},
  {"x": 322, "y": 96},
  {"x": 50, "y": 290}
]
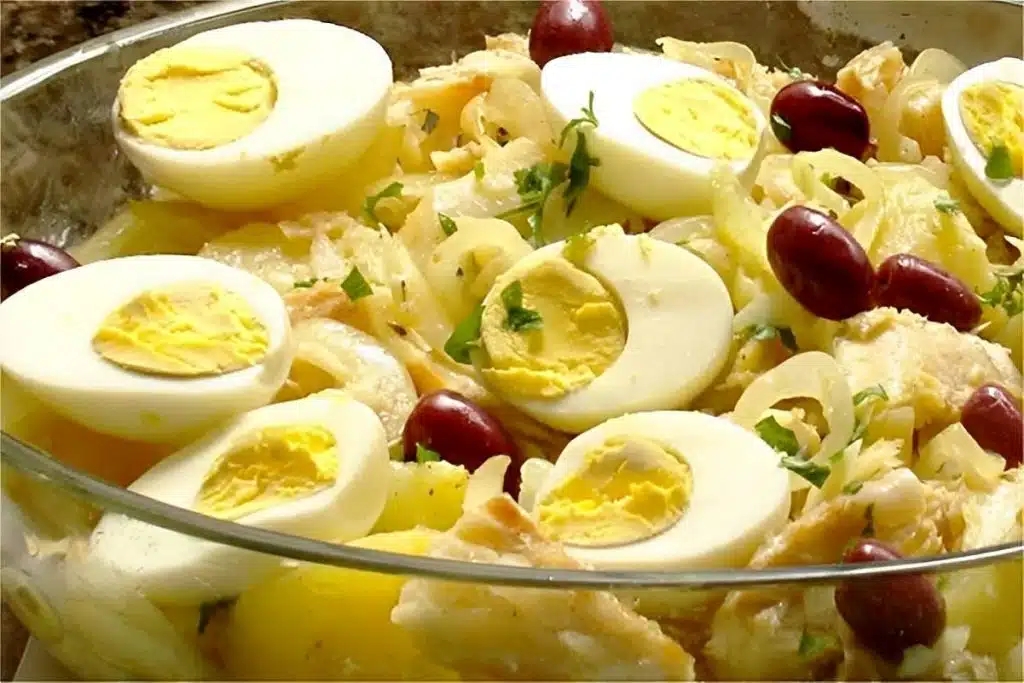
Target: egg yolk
[
  {"x": 269, "y": 467},
  {"x": 701, "y": 117},
  {"x": 194, "y": 98},
  {"x": 993, "y": 114},
  {"x": 186, "y": 330},
  {"x": 629, "y": 489},
  {"x": 580, "y": 332}
]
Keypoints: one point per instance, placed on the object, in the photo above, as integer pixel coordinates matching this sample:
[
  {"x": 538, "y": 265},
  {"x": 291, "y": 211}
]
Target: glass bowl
[{"x": 63, "y": 177}]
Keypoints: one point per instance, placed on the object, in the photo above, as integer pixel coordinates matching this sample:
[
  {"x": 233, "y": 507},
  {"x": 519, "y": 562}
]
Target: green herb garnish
[
  {"x": 424, "y": 454},
  {"x": 519, "y": 318},
  {"x": 870, "y": 394},
  {"x": 355, "y": 285},
  {"x": 814, "y": 473},
  {"x": 478, "y": 170},
  {"x": 778, "y": 437},
  {"x": 577, "y": 246},
  {"x": 999, "y": 165},
  {"x": 765, "y": 332},
  {"x": 783, "y": 131},
  {"x": 430, "y": 121},
  {"x": 534, "y": 185},
  {"x": 305, "y": 284},
  {"x": 811, "y": 646},
  {"x": 853, "y": 487},
  {"x": 579, "y": 173},
  {"x": 465, "y": 336},
  {"x": 1007, "y": 293},
  {"x": 947, "y": 205},
  {"x": 588, "y": 118},
  {"x": 447, "y": 224},
  {"x": 370, "y": 203}
]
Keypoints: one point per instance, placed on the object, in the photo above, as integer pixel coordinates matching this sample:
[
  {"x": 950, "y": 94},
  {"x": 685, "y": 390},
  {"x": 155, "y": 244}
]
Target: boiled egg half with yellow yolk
[
  {"x": 317, "y": 467},
  {"x": 581, "y": 331},
  {"x": 983, "y": 110},
  {"x": 152, "y": 348},
  {"x": 665, "y": 490},
  {"x": 252, "y": 115},
  {"x": 662, "y": 125}
]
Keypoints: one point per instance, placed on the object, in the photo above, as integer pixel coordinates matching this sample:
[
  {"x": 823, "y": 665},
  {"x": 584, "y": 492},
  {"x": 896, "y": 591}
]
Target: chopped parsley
[
  {"x": 760, "y": 332},
  {"x": 355, "y": 285},
  {"x": 999, "y": 165},
  {"x": 947, "y": 205},
  {"x": 784, "y": 441},
  {"x": 588, "y": 118},
  {"x": 812, "y": 646},
  {"x": 478, "y": 170},
  {"x": 305, "y": 284},
  {"x": 853, "y": 487},
  {"x": 519, "y": 317},
  {"x": 465, "y": 336},
  {"x": 370, "y": 203},
  {"x": 430, "y": 121},
  {"x": 870, "y": 394},
  {"x": 424, "y": 454},
  {"x": 579, "y": 173},
  {"x": 1007, "y": 293},
  {"x": 208, "y": 610},
  {"x": 783, "y": 131},
  {"x": 534, "y": 185},
  {"x": 447, "y": 224}
]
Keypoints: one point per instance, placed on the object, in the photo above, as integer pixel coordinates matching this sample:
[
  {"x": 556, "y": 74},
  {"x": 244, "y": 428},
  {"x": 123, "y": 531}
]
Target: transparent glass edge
[{"x": 32, "y": 462}]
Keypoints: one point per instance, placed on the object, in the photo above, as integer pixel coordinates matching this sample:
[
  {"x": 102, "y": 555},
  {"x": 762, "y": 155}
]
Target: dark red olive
[
  {"x": 24, "y": 261},
  {"x": 568, "y": 27},
  {"x": 819, "y": 263},
  {"x": 906, "y": 281},
  {"x": 888, "y": 614},
  {"x": 810, "y": 115},
  {"x": 993, "y": 417},
  {"x": 461, "y": 432}
]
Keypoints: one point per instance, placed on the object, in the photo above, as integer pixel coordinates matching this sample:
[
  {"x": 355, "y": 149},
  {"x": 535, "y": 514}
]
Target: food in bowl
[{"x": 552, "y": 305}]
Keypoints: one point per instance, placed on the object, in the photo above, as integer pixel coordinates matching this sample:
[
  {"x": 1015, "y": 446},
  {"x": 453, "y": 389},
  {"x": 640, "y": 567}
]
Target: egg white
[
  {"x": 332, "y": 88},
  {"x": 679, "y": 330},
  {"x": 1003, "y": 199},
  {"x": 638, "y": 168},
  {"x": 740, "y": 494},
  {"x": 47, "y": 348},
  {"x": 174, "y": 568}
]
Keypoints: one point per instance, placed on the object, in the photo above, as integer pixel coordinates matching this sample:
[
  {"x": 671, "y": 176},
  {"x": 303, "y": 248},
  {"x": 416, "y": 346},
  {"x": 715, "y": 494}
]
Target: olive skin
[
  {"x": 807, "y": 116},
  {"x": 568, "y": 27},
  {"x": 891, "y": 613},
  {"x": 905, "y": 281},
  {"x": 461, "y": 432},
  {"x": 819, "y": 263},
  {"x": 25, "y": 261},
  {"x": 992, "y": 416}
]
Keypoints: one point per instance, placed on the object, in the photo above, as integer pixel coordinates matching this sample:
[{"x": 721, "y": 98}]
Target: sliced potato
[{"x": 424, "y": 495}]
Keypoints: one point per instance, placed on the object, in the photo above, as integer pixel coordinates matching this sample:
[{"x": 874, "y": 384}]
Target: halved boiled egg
[
  {"x": 983, "y": 110},
  {"x": 317, "y": 467},
  {"x": 252, "y": 115},
  {"x": 606, "y": 323},
  {"x": 662, "y": 125},
  {"x": 152, "y": 348},
  {"x": 666, "y": 490}
]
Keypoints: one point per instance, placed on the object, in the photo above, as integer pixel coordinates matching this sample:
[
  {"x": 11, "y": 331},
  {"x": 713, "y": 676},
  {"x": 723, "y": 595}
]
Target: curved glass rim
[
  {"x": 40, "y": 466},
  {"x": 37, "y": 464}
]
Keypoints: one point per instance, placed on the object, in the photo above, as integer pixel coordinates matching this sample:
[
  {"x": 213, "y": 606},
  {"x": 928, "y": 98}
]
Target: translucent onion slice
[
  {"x": 953, "y": 453},
  {"x": 486, "y": 483},
  {"x": 813, "y": 375},
  {"x": 532, "y": 475}
]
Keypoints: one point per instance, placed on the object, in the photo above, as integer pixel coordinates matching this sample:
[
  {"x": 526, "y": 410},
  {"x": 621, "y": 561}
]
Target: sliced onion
[
  {"x": 710, "y": 56},
  {"x": 681, "y": 230},
  {"x": 936, "y": 64},
  {"x": 486, "y": 483},
  {"x": 952, "y": 453},
  {"x": 813, "y": 375},
  {"x": 532, "y": 475},
  {"x": 740, "y": 224}
]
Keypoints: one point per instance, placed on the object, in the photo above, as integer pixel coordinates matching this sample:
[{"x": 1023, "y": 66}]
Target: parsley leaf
[
  {"x": 811, "y": 645},
  {"x": 999, "y": 165},
  {"x": 305, "y": 284},
  {"x": 870, "y": 394},
  {"x": 783, "y": 131},
  {"x": 778, "y": 437},
  {"x": 430, "y": 120},
  {"x": 579, "y": 174},
  {"x": 813, "y": 472},
  {"x": 763, "y": 332},
  {"x": 947, "y": 205},
  {"x": 587, "y": 118},
  {"x": 478, "y": 170},
  {"x": 1007, "y": 293},
  {"x": 853, "y": 487},
  {"x": 519, "y": 317},
  {"x": 370, "y": 203},
  {"x": 447, "y": 224},
  {"x": 424, "y": 454},
  {"x": 465, "y": 336},
  {"x": 534, "y": 185},
  {"x": 355, "y": 285}
]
